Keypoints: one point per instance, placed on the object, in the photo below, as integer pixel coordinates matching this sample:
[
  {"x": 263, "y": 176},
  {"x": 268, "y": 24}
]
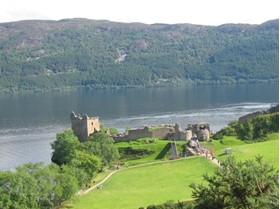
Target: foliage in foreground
[
  {"x": 245, "y": 184},
  {"x": 36, "y": 186},
  {"x": 172, "y": 205}
]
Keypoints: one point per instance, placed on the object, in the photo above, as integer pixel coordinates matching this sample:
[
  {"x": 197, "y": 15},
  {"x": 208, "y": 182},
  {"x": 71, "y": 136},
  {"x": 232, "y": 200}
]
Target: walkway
[
  {"x": 213, "y": 159},
  {"x": 81, "y": 192},
  {"x": 199, "y": 150}
]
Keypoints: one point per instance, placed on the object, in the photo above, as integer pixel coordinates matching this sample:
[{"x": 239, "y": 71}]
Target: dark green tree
[
  {"x": 258, "y": 127},
  {"x": 244, "y": 184},
  {"x": 64, "y": 185},
  {"x": 64, "y": 147},
  {"x": 172, "y": 205},
  {"x": 102, "y": 145},
  {"x": 89, "y": 163},
  {"x": 82, "y": 177},
  {"x": 18, "y": 190},
  {"x": 36, "y": 186}
]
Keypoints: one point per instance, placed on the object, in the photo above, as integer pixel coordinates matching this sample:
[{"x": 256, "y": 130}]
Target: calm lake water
[{"x": 29, "y": 122}]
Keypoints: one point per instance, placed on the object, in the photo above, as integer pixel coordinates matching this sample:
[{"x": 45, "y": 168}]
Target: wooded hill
[{"x": 47, "y": 55}]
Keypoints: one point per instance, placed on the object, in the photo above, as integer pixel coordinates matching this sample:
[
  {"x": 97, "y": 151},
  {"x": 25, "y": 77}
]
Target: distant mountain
[{"x": 47, "y": 55}]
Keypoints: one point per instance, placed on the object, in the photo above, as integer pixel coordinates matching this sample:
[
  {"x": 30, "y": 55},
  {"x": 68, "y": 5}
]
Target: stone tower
[{"x": 84, "y": 126}]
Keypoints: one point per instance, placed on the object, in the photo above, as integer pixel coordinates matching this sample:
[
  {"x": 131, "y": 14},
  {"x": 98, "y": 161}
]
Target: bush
[
  {"x": 172, "y": 205},
  {"x": 253, "y": 129},
  {"x": 257, "y": 128},
  {"x": 129, "y": 153},
  {"x": 244, "y": 184}
]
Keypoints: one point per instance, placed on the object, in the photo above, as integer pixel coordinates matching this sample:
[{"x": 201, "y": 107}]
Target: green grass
[
  {"x": 160, "y": 148},
  {"x": 158, "y": 183},
  {"x": 243, "y": 151},
  {"x": 143, "y": 186},
  {"x": 268, "y": 149},
  {"x": 228, "y": 141}
]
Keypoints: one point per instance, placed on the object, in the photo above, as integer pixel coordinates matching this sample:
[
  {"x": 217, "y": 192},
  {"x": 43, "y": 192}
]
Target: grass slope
[
  {"x": 158, "y": 183},
  {"x": 153, "y": 184},
  {"x": 242, "y": 151},
  {"x": 161, "y": 149}
]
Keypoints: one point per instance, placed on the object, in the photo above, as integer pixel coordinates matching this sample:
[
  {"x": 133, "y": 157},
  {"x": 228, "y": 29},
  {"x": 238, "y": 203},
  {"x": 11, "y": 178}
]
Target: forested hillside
[{"x": 48, "y": 55}]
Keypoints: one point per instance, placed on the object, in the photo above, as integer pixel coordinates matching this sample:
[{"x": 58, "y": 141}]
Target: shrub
[{"x": 130, "y": 153}]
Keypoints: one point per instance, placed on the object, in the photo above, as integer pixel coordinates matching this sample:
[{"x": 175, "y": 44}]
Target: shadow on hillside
[{"x": 163, "y": 151}]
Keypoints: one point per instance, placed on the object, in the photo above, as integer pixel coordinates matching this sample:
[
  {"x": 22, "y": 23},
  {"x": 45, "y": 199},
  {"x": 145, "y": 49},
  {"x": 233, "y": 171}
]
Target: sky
[{"x": 202, "y": 12}]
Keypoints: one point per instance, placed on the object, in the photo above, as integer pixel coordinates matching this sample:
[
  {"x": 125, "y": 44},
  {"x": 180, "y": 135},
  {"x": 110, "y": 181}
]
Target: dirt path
[{"x": 81, "y": 192}]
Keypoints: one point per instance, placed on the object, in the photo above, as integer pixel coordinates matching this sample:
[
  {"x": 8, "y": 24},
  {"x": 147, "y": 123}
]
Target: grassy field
[
  {"x": 153, "y": 184},
  {"x": 158, "y": 183},
  {"x": 241, "y": 150},
  {"x": 161, "y": 149}
]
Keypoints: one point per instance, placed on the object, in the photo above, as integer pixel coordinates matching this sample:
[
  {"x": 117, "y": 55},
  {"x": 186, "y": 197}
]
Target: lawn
[
  {"x": 242, "y": 151},
  {"x": 169, "y": 180},
  {"x": 152, "y": 184},
  {"x": 161, "y": 149}
]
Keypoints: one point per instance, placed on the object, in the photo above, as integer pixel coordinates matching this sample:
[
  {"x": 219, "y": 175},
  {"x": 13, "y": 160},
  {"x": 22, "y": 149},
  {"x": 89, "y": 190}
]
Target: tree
[
  {"x": 34, "y": 186},
  {"x": 64, "y": 185},
  {"x": 64, "y": 147},
  {"x": 25, "y": 188},
  {"x": 102, "y": 145},
  {"x": 90, "y": 164},
  {"x": 113, "y": 131},
  {"x": 7, "y": 184},
  {"x": 172, "y": 205},
  {"x": 247, "y": 184},
  {"x": 258, "y": 127},
  {"x": 19, "y": 190},
  {"x": 82, "y": 177}
]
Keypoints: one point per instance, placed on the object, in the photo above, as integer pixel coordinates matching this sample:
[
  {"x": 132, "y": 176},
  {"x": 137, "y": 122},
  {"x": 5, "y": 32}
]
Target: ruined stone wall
[
  {"x": 195, "y": 128},
  {"x": 161, "y": 133},
  {"x": 167, "y": 132},
  {"x": 139, "y": 133},
  {"x": 134, "y": 135},
  {"x": 203, "y": 135},
  {"x": 121, "y": 138},
  {"x": 188, "y": 135},
  {"x": 183, "y": 135}
]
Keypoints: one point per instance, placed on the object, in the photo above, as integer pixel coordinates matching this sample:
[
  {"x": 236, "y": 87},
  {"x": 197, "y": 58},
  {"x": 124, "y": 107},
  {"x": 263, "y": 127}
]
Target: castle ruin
[
  {"x": 84, "y": 126},
  {"x": 200, "y": 131}
]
